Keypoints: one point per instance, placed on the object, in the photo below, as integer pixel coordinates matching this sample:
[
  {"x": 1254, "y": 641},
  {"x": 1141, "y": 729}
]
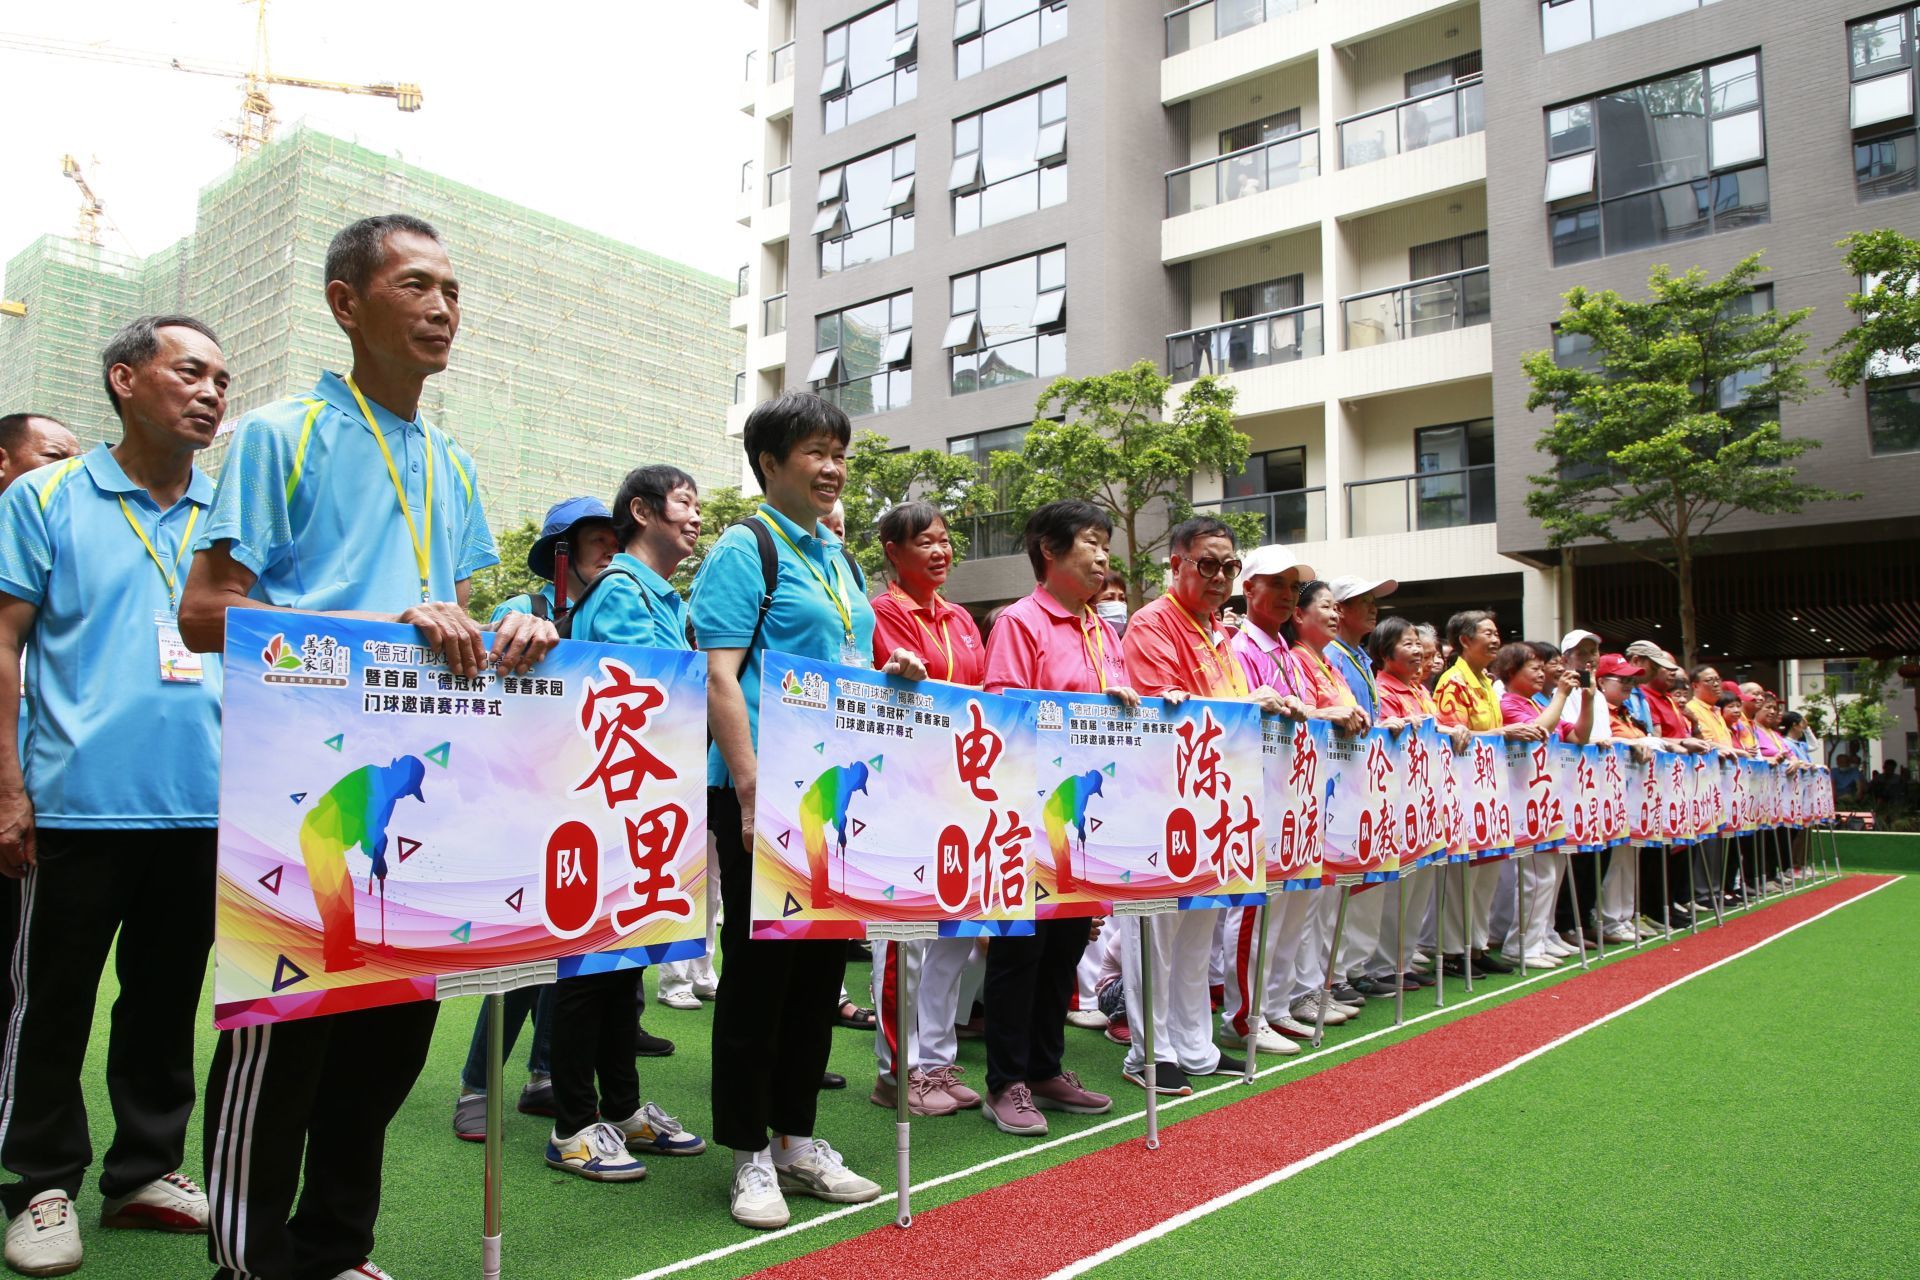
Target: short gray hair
[
  {"x": 359, "y": 250},
  {"x": 139, "y": 341}
]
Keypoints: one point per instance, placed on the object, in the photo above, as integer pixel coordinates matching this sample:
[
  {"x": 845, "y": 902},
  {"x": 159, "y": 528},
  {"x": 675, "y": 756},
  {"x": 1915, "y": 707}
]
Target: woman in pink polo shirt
[{"x": 1052, "y": 640}]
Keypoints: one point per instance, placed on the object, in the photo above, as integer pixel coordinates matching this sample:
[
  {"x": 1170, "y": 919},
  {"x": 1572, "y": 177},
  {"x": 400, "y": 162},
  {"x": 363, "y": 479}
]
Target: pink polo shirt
[
  {"x": 1267, "y": 660},
  {"x": 1037, "y": 644}
]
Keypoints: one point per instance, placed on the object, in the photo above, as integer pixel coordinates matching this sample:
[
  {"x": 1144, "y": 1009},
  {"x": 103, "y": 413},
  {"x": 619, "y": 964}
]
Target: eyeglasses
[{"x": 1212, "y": 567}]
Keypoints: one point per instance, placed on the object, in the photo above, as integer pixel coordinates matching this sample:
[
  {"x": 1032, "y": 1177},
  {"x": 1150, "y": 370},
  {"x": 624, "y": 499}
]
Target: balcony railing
[
  {"x": 777, "y": 185},
  {"x": 773, "y": 315},
  {"x": 746, "y": 175},
  {"x": 1193, "y": 25},
  {"x": 1427, "y": 500},
  {"x": 997, "y": 533},
  {"x": 1420, "y": 307},
  {"x": 739, "y": 386},
  {"x": 1292, "y": 515},
  {"x": 740, "y": 283},
  {"x": 1277, "y": 337},
  {"x": 1246, "y": 172},
  {"x": 753, "y": 61},
  {"x": 1439, "y": 116},
  {"x": 781, "y": 65}
]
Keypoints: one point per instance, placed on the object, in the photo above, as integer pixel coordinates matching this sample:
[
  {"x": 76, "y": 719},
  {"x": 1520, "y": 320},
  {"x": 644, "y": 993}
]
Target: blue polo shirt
[
  {"x": 643, "y": 610},
  {"x": 521, "y": 604},
  {"x": 801, "y": 621},
  {"x": 109, "y": 743},
  {"x": 308, "y": 505},
  {"x": 1355, "y": 667}
]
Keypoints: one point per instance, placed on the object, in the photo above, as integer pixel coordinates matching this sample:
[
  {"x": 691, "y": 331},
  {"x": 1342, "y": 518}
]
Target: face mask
[{"x": 1114, "y": 611}]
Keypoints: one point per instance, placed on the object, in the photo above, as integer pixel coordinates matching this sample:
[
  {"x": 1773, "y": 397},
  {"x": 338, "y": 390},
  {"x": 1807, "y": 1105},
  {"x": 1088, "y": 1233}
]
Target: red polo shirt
[{"x": 944, "y": 636}]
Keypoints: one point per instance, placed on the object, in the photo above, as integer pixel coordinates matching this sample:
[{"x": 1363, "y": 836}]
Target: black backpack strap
[
  {"x": 540, "y": 609},
  {"x": 769, "y": 571}
]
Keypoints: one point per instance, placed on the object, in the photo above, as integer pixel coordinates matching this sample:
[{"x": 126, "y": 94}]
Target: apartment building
[{"x": 1335, "y": 207}]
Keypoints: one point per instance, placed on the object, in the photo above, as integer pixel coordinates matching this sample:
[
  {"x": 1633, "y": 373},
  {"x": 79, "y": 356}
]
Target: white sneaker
[
  {"x": 757, "y": 1201},
  {"x": 1420, "y": 960},
  {"x": 1620, "y": 935},
  {"x": 1289, "y": 1026},
  {"x": 43, "y": 1239},
  {"x": 819, "y": 1172},
  {"x": 684, "y": 998},
  {"x": 1091, "y": 1019},
  {"x": 1265, "y": 1040},
  {"x": 597, "y": 1153},
  {"x": 169, "y": 1203},
  {"x": 1306, "y": 1010},
  {"x": 365, "y": 1271},
  {"x": 1556, "y": 948},
  {"x": 706, "y": 990}
]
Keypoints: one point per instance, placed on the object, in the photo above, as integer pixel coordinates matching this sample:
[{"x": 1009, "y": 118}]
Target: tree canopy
[{"x": 511, "y": 577}]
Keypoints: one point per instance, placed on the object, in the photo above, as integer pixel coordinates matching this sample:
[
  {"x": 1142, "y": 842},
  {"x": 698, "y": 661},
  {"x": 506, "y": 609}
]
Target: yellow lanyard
[
  {"x": 422, "y": 547},
  {"x": 946, "y": 630},
  {"x": 839, "y": 598},
  {"x": 1366, "y": 673},
  {"x": 1227, "y": 669},
  {"x": 1342, "y": 695},
  {"x": 169, "y": 576},
  {"x": 1094, "y": 641}
]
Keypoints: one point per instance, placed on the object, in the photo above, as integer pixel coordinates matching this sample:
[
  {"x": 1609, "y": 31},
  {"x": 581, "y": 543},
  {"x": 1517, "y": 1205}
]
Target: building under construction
[{"x": 578, "y": 358}]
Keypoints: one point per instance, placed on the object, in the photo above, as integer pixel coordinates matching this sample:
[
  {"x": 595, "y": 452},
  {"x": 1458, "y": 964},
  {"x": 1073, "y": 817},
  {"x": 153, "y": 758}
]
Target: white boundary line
[
  {"x": 1235, "y": 1082},
  {"x": 1194, "y": 1214}
]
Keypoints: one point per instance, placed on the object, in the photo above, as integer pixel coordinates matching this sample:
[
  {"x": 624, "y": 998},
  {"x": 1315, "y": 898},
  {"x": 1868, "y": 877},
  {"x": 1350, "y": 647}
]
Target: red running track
[{"x": 1108, "y": 1196}]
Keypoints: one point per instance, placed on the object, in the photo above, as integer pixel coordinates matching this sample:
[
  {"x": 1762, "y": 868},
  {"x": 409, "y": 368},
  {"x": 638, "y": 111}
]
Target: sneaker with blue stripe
[
  {"x": 652, "y": 1130},
  {"x": 597, "y": 1153}
]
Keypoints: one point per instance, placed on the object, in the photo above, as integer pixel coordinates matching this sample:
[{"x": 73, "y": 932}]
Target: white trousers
[
  {"x": 1486, "y": 879},
  {"x": 1182, "y": 1013},
  {"x": 1361, "y": 937},
  {"x": 1386, "y": 958},
  {"x": 1316, "y": 938},
  {"x": 679, "y": 977},
  {"x": 1617, "y": 887},
  {"x": 1286, "y": 918},
  {"x": 1086, "y": 976},
  {"x": 1540, "y": 878},
  {"x": 933, "y": 972}
]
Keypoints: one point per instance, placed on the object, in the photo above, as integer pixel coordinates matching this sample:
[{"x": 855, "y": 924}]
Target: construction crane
[
  {"x": 90, "y": 207},
  {"x": 254, "y": 129}
]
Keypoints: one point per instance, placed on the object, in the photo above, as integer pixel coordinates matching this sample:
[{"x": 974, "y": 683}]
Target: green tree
[
  {"x": 720, "y": 510},
  {"x": 1885, "y": 337},
  {"x": 1672, "y": 425},
  {"x": 1838, "y": 714},
  {"x": 880, "y": 476},
  {"x": 1117, "y": 447},
  {"x": 510, "y": 577}
]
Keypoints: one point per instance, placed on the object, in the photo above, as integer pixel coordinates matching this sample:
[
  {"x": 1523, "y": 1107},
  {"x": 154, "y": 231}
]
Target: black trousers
[
  {"x": 773, "y": 1015},
  {"x": 154, "y": 889},
  {"x": 1029, "y": 984},
  {"x": 593, "y": 1035},
  {"x": 327, "y": 1086}
]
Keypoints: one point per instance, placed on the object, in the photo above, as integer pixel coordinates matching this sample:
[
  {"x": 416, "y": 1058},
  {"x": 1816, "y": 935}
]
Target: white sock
[
  {"x": 759, "y": 1157},
  {"x": 787, "y": 1149}
]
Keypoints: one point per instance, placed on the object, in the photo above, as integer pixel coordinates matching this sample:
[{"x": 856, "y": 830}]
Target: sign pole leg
[
  {"x": 1833, "y": 848},
  {"x": 1146, "y": 1033},
  {"x": 1633, "y": 851},
  {"x": 902, "y": 1069},
  {"x": 1579, "y": 921},
  {"x": 1333, "y": 954},
  {"x": 1693, "y": 894},
  {"x": 1599, "y": 890},
  {"x": 1466, "y": 924},
  {"x": 1666, "y": 891},
  {"x": 1520, "y": 909},
  {"x": 1256, "y": 1006},
  {"x": 1440, "y": 934},
  {"x": 1716, "y": 892},
  {"x": 496, "y": 1086},
  {"x": 1400, "y": 954}
]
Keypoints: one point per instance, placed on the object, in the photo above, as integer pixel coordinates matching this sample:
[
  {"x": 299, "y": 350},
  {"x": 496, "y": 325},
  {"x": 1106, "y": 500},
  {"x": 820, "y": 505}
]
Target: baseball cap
[
  {"x": 1572, "y": 640},
  {"x": 563, "y": 518},
  {"x": 1263, "y": 562},
  {"x": 1652, "y": 653},
  {"x": 1351, "y": 588},
  {"x": 1612, "y": 664}
]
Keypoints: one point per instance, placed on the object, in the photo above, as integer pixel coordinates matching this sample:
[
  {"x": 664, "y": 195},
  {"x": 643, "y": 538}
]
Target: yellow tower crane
[
  {"x": 254, "y": 129},
  {"x": 90, "y": 207}
]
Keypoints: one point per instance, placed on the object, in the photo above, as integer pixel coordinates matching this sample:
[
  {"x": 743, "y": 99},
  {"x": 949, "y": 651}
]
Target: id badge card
[
  {"x": 851, "y": 655},
  {"x": 178, "y": 664}
]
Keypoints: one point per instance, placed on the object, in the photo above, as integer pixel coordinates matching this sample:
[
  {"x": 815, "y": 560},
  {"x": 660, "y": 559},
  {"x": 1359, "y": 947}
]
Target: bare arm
[
  {"x": 16, "y": 807},
  {"x": 732, "y": 733}
]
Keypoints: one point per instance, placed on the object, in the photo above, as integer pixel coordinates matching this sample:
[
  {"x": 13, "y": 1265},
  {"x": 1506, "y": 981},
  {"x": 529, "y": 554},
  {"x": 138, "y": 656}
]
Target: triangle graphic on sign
[
  {"x": 920, "y": 874},
  {"x": 515, "y": 898},
  {"x": 784, "y": 836},
  {"x": 876, "y": 762},
  {"x": 337, "y": 741},
  {"x": 1057, "y": 760},
  {"x": 1153, "y": 859},
  {"x": 464, "y": 933},
  {"x": 819, "y": 748},
  {"x": 1108, "y": 771},
  {"x": 286, "y": 973},
  {"x": 297, "y": 796},
  {"x": 791, "y": 907},
  {"x": 272, "y": 879},
  {"x": 1126, "y": 877},
  {"x": 439, "y": 754},
  {"x": 407, "y": 847},
  {"x": 1096, "y": 823},
  {"x": 798, "y": 783},
  {"x": 858, "y": 826},
  {"x": 887, "y": 893},
  {"x": 1040, "y": 893}
]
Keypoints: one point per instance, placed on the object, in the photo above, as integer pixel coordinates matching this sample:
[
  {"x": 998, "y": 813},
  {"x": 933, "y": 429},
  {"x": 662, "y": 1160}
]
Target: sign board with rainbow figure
[
  {"x": 890, "y": 801},
  {"x": 384, "y": 824}
]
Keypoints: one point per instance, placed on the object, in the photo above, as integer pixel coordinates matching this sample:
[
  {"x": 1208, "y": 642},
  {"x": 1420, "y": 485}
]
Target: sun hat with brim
[
  {"x": 1574, "y": 639},
  {"x": 1612, "y": 664},
  {"x": 563, "y": 518},
  {"x": 1351, "y": 588},
  {"x": 1267, "y": 561}
]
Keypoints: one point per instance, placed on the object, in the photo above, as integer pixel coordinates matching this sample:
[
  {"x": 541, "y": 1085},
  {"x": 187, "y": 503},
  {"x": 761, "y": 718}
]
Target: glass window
[
  {"x": 987, "y": 33},
  {"x": 1444, "y": 257},
  {"x": 1443, "y": 75},
  {"x": 1574, "y": 351},
  {"x": 868, "y": 211},
  {"x": 1879, "y": 45},
  {"x": 1271, "y": 129},
  {"x": 1009, "y": 159},
  {"x": 1458, "y": 458},
  {"x": 1008, "y": 322},
  {"x": 864, "y": 354},
  {"x": 1275, "y": 471},
  {"x": 1887, "y": 166},
  {"x": 1566, "y": 23},
  {"x": 871, "y": 64},
  {"x": 1261, "y": 299},
  {"x": 1893, "y": 415},
  {"x": 1877, "y": 101},
  {"x": 1673, "y": 158}
]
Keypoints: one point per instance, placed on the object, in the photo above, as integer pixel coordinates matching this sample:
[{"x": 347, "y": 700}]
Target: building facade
[
  {"x": 1338, "y": 209},
  {"x": 579, "y": 357}
]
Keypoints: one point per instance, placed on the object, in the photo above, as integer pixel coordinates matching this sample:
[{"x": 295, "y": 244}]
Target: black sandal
[{"x": 859, "y": 1020}]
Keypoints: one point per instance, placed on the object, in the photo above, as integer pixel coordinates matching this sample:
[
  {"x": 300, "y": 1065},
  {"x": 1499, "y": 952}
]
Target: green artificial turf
[
  {"x": 1758, "y": 1121},
  {"x": 562, "y": 1228}
]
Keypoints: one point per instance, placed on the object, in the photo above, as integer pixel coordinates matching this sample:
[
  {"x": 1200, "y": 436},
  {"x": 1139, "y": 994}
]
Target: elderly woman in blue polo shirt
[{"x": 770, "y": 1046}]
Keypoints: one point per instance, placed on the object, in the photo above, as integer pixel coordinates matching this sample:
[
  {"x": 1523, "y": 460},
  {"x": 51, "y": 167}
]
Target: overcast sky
[{"x": 620, "y": 118}]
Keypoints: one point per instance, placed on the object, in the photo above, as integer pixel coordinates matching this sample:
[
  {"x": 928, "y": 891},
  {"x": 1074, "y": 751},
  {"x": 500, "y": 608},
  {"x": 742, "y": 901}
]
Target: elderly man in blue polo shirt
[
  {"x": 344, "y": 500},
  {"x": 108, "y": 820}
]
